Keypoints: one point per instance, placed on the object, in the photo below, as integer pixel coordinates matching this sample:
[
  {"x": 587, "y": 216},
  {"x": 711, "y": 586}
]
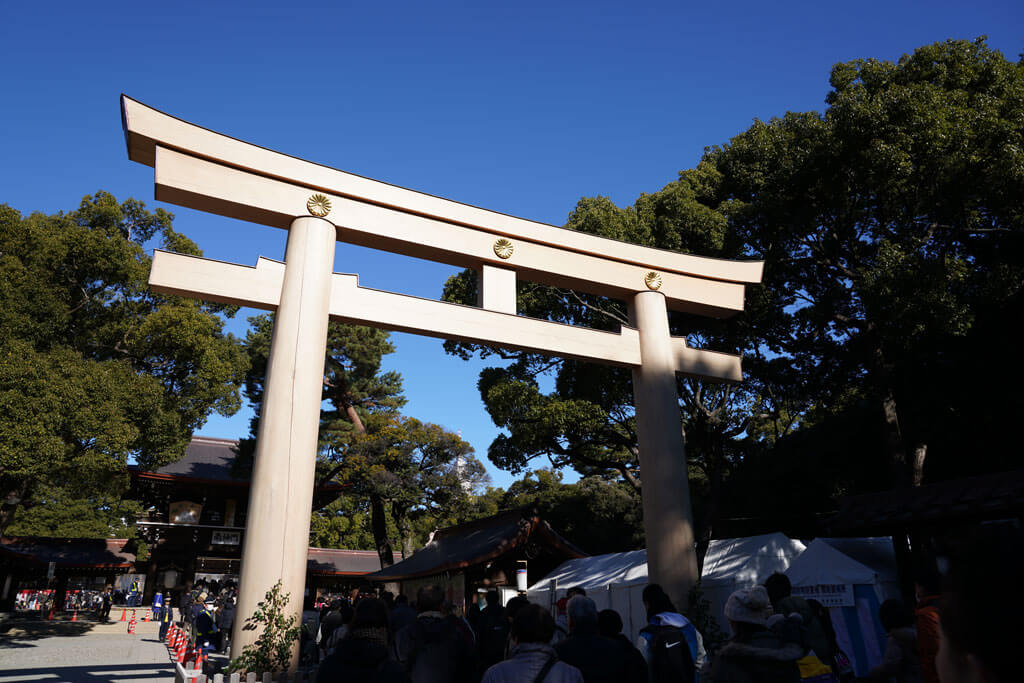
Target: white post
[
  {"x": 668, "y": 518},
  {"x": 281, "y": 494}
]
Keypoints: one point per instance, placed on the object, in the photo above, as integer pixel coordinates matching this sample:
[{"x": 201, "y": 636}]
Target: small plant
[{"x": 272, "y": 650}]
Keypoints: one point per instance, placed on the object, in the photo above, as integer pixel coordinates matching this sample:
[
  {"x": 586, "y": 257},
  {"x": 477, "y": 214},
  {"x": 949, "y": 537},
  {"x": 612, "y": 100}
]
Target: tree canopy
[
  {"x": 891, "y": 227},
  {"x": 95, "y": 370}
]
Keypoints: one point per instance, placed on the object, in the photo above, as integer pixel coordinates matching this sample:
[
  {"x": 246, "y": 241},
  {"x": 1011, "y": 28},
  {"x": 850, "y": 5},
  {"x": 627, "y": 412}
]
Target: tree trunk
[
  {"x": 378, "y": 520},
  {"x": 920, "y": 453},
  {"x": 707, "y": 530},
  {"x": 894, "y": 447}
]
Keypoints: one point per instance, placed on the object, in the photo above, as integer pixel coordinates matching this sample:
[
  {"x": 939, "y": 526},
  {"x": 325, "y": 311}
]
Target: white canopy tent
[
  {"x": 735, "y": 563},
  {"x": 852, "y": 577},
  {"x": 614, "y": 581},
  {"x": 617, "y": 580}
]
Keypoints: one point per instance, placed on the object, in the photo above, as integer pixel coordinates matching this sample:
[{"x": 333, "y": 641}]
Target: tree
[
  {"x": 587, "y": 421},
  {"x": 399, "y": 474},
  {"x": 889, "y": 224},
  {"x": 95, "y": 370}
]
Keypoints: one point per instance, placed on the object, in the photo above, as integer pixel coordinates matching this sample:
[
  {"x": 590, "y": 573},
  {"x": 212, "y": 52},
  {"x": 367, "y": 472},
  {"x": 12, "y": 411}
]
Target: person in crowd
[
  {"x": 330, "y": 620},
  {"x": 531, "y": 659},
  {"x": 609, "y": 625},
  {"x": 901, "y": 661},
  {"x": 206, "y": 627},
  {"x": 106, "y": 603},
  {"x": 599, "y": 659},
  {"x": 981, "y": 629},
  {"x": 226, "y": 621},
  {"x": 431, "y": 648},
  {"x": 158, "y": 604},
  {"x": 492, "y": 631},
  {"x": 785, "y": 603},
  {"x": 574, "y": 591},
  {"x": 402, "y": 614},
  {"x": 927, "y": 590},
  {"x": 451, "y": 612},
  {"x": 166, "y": 617},
  {"x": 347, "y": 614},
  {"x": 665, "y": 625},
  {"x": 561, "y": 620},
  {"x": 755, "y": 653},
  {"x": 363, "y": 655}
]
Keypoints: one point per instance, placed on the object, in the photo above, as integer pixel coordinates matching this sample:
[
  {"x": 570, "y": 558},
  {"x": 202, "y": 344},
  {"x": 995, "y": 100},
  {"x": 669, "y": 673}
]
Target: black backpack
[{"x": 671, "y": 661}]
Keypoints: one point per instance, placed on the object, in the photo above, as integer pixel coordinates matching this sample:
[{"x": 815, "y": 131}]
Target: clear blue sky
[{"x": 521, "y": 108}]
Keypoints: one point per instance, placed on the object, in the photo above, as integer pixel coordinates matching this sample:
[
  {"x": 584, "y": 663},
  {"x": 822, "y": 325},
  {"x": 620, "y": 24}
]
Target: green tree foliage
[
  {"x": 598, "y": 515},
  {"x": 95, "y": 369},
  {"x": 401, "y": 477},
  {"x": 891, "y": 225}
]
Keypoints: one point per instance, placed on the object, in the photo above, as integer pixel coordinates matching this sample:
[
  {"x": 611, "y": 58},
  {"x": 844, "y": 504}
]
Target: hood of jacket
[{"x": 670, "y": 619}]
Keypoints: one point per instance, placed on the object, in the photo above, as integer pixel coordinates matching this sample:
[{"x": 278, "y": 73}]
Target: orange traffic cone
[
  {"x": 145, "y": 615},
  {"x": 49, "y": 617},
  {"x": 74, "y": 617},
  {"x": 131, "y": 624},
  {"x": 124, "y": 614}
]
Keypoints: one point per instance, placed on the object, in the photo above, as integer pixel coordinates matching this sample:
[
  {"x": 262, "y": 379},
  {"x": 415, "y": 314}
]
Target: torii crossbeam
[{"x": 204, "y": 170}]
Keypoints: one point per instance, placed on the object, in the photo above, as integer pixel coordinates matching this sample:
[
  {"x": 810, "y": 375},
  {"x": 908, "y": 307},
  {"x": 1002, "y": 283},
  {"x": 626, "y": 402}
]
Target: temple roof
[
  {"x": 206, "y": 459},
  {"x": 333, "y": 562},
  {"x": 481, "y": 540},
  {"x": 70, "y": 552}
]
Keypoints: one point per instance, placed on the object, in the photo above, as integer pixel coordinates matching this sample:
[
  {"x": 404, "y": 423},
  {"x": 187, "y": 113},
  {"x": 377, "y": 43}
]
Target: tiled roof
[
  {"x": 205, "y": 458},
  {"x": 333, "y": 562},
  {"x": 70, "y": 552},
  {"x": 478, "y": 541}
]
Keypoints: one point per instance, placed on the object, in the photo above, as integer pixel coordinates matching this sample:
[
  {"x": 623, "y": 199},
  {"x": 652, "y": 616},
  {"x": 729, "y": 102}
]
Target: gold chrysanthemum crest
[
  {"x": 503, "y": 248},
  {"x": 652, "y": 279},
  {"x": 318, "y": 205}
]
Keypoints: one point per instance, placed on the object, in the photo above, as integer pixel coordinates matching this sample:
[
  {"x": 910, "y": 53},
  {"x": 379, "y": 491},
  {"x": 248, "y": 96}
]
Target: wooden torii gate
[{"x": 208, "y": 171}]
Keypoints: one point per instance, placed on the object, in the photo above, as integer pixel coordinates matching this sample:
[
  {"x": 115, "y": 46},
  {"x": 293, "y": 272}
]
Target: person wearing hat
[{"x": 755, "y": 653}]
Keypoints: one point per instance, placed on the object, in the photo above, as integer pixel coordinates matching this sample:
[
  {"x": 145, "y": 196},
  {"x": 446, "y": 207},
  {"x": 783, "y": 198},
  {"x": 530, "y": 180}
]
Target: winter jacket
[
  {"x": 815, "y": 637},
  {"x": 900, "y": 661},
  {"x": 526, "y": 661},
  {"x": 760, "y": 657},
  {"x": 690, "y": 632},
  {"x": 360, "y": 661},
  {"x": 600, "y": 659},
  {"x": 433, "y": 650}
]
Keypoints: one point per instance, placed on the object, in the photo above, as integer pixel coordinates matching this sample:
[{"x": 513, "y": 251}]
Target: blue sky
[{"x": 522, "y": 108}]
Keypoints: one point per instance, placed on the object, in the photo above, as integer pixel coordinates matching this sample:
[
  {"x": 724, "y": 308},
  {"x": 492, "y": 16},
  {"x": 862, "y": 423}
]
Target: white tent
[
  {"x": 852, "y": 577},
  {"x": 735, "y": 563},
  {"x": 614, "y": 581},
  {"x": 617, "y": 580}
]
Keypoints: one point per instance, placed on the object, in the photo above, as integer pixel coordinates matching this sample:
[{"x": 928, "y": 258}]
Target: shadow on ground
[
  {"x": 21, "y": 633},
  {"x": 128, "y": 673}
]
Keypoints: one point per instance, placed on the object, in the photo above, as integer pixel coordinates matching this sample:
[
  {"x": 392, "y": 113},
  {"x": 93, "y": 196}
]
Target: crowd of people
[{"x": 962, "y": 629}]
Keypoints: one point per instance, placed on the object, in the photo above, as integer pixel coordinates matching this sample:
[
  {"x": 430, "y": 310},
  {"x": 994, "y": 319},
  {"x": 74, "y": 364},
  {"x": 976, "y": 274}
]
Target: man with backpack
[
  {"x": 431, "y": 649},
  {"x": 671, "y": 645},
  {"x": 491, "y": 631}
]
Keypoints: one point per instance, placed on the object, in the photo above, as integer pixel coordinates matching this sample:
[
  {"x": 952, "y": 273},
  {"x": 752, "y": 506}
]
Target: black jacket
[
  {"x": 433, "y": 650},
  {"x": 360, "y": 661},
  {"x": 602, "y": 659}
]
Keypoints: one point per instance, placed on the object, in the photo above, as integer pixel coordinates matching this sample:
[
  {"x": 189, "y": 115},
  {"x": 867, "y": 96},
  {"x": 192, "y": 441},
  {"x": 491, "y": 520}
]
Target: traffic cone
[
  {"x": 74, "y": 617},
  {"x": 131, "y": 624},
  {"x": 49, "y": 617},
  {"x": 124, "y": 614},
  {"x": 145, "y": 615}
]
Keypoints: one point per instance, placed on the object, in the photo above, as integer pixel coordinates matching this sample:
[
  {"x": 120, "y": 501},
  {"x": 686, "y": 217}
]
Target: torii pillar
[
  {"x": 281, "y": 492},
  {"x": 668, "y": 517}
]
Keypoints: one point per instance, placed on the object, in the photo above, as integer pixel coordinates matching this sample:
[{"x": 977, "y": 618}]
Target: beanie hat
[{"x": 749, "y": 605}]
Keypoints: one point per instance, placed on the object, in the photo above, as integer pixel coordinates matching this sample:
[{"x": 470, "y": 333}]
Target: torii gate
[{"x": 205, "y": 170}]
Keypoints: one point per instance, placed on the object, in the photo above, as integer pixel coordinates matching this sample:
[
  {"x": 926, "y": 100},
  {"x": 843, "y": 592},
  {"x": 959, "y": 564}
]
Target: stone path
[{"x": 81, "y": 652}]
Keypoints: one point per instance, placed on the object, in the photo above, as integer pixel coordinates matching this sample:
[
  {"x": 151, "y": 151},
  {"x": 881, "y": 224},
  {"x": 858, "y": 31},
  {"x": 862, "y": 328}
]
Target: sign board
[
  {"x": 226, "y": 538},
  {"x": 828, "y": 594},
  {"x": 185, "y": 512}
]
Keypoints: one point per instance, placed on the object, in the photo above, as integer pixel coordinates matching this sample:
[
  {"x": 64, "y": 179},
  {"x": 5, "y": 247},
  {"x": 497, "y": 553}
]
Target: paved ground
[{"x": 81, "y": 652}]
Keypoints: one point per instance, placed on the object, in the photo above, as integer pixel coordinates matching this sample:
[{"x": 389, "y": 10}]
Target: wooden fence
[{"x": 186, "y": 675}]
